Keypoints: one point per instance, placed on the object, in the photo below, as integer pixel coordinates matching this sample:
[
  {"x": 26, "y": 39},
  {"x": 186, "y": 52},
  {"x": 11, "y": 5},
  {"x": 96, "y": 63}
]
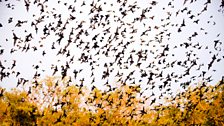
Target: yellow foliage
[{"x": 63, "y": 105}]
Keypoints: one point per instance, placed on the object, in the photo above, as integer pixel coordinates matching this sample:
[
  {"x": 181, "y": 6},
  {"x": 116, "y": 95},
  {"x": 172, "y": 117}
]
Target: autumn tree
[
  {"x": 56, "y": 101},
  {"x": 16, "y": 109}
]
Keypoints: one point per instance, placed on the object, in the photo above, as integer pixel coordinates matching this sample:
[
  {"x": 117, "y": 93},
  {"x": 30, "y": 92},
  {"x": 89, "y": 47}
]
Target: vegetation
[{"x": 52, "y": 102}]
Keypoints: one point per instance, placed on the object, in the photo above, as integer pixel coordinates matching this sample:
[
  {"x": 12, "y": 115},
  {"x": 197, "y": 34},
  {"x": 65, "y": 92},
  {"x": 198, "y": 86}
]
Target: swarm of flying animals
[{"x": 99, "y": 43}]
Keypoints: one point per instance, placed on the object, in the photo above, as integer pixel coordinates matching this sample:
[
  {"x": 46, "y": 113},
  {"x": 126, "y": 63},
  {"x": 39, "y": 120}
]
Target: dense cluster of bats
[{"x": 123, "y": 41}]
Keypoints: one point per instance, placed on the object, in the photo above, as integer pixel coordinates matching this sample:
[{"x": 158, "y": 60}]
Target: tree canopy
[{"x": 48, "y": 103}]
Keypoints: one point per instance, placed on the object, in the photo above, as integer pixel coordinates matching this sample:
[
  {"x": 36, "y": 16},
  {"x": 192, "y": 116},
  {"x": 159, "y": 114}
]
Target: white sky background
[{"x": 26, "y": 60}]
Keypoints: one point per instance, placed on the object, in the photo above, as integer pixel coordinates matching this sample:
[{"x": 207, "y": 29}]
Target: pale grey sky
[{"x": 209, "y": 28}]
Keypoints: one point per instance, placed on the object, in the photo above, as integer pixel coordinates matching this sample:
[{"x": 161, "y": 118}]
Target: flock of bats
[{"x": 119, "y": 41}]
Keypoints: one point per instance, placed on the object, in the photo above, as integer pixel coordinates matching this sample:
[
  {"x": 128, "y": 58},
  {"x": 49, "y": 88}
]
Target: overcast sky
[{"x": 162, "y": 20}]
